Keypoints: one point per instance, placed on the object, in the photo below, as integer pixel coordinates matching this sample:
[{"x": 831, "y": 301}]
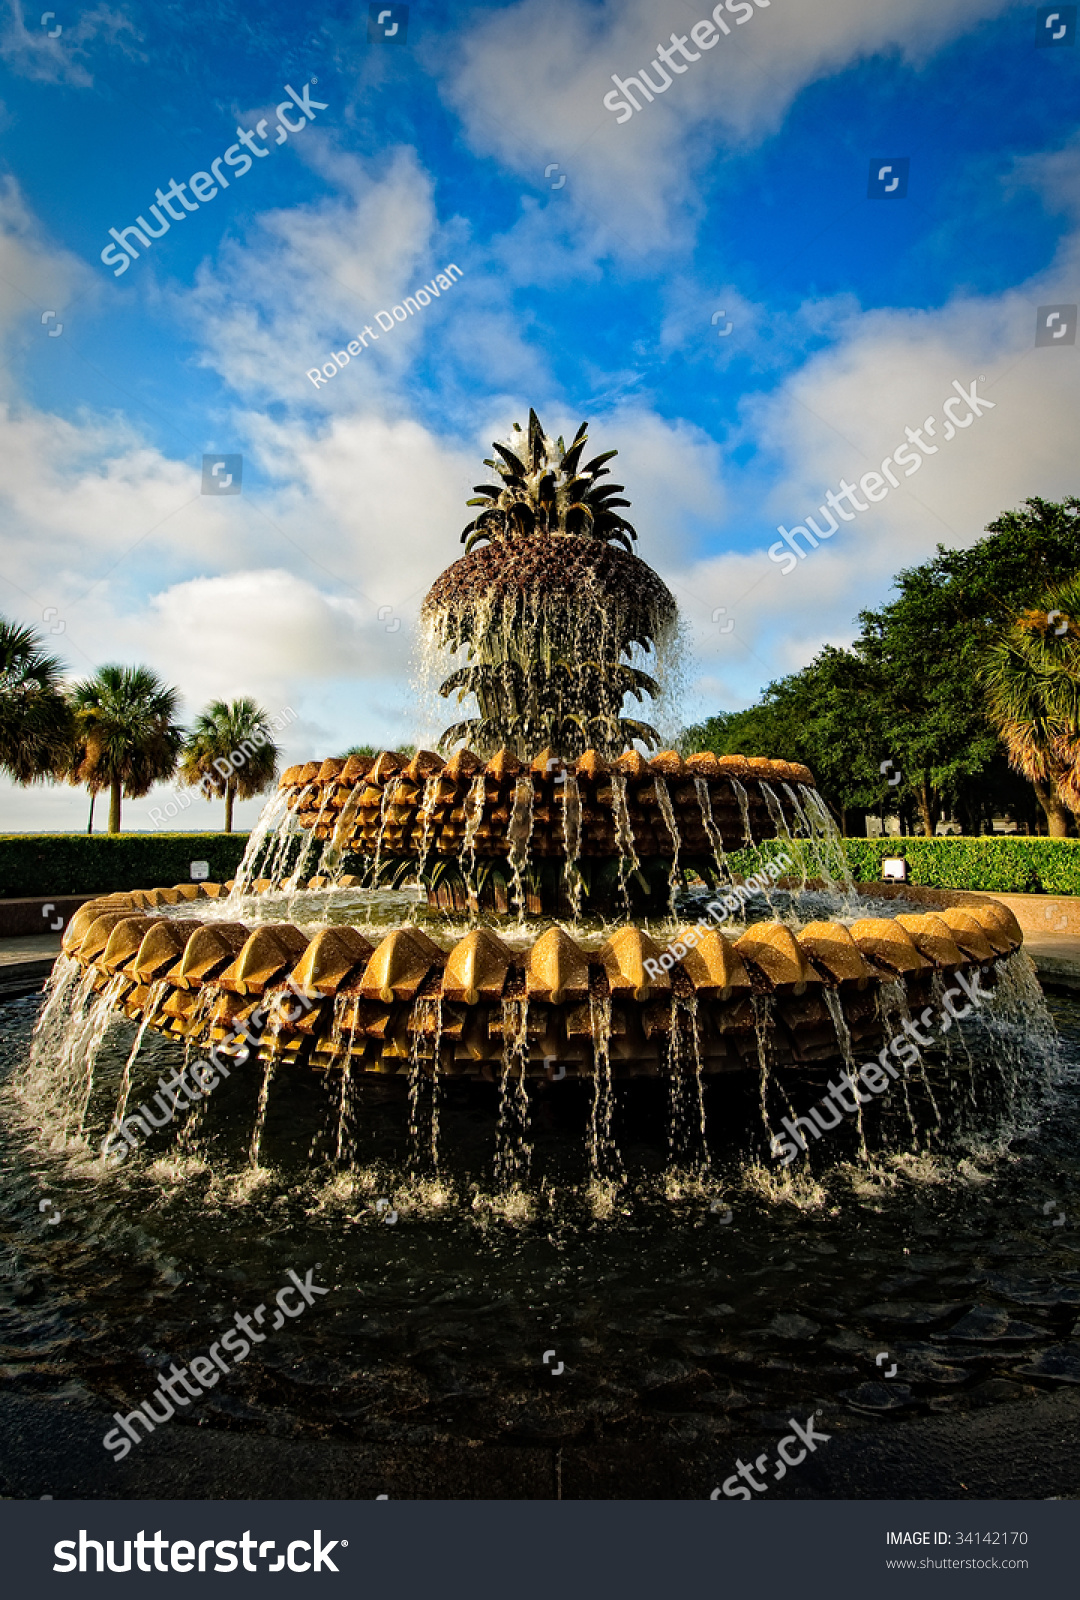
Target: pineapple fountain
[{"x": 547, "y": 867}]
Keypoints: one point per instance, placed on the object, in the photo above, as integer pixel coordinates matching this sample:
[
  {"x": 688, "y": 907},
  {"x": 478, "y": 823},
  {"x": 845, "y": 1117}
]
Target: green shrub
[
  {"x": 994, "y": 863},
  {"x": 78, "y": 863}
]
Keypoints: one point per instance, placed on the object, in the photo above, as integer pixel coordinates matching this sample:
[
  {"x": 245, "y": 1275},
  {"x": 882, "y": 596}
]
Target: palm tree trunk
[
  {"x": 230, "y": 792},
  {"x": 114, "y": 806},
  {"x": 90, "y": 824},
  {"x": 1057, "y": 814}
]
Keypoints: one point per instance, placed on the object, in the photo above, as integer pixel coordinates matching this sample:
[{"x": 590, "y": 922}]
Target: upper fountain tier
[
  {"x": 589, "y": 808},
  {"x": 547, "y": 622}
]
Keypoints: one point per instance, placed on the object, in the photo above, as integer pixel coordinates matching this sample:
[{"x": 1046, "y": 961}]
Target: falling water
[
  {"x": 624, "y": 833},
  {"x": 332, "y": 860},
  {"x": 803, "y": 819},
  {"x": 98, "y": 1018},
  {"x": 389, "y": 794},
  {"x": 260, "y": 1115},
  {"x": 764, "y": 1023},
  {"x": 829, "y": 854},
  {"x": 513, "y": 1149},
  {"x": 48, "y": 1069},
  {"x": 686, "y": 1125},
  {"x": 424, "y": 1086},
  {"x": 892, "y": 1001},
  {"x": 208, "y": 998},
  {"x": 571, "y": 832},
  {"x": 474, "y": 815},
  {"x": 1020, "y": 1007},
  {"x": 604, "y": 1158},
  {"x": 716, "y": 838},
  {"x": 276, "y": 826},
  {"x": 843, "y": 1039},
  {"x": 340, "y": 1048},
  {"x": 427, "y": 817},
  {"x": 153, "y": 1000},
  {"x": 667, "y": 811},
  {"x": 345, "y": 1142},
  {"x": 776, "y": 810},
  {"x": 744, "y": 809},
  {"x": 519, "y": 833}
]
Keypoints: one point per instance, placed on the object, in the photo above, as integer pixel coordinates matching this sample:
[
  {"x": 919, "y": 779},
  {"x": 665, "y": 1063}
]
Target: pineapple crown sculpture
[
  {"x": 548, "y": 603},
  {"x": 548, "y": 493}
]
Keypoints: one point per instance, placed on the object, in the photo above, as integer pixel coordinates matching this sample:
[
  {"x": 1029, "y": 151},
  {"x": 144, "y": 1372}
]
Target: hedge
[
  {"x": 41, "y": 864},
  {"x": 994, "y": 863}
]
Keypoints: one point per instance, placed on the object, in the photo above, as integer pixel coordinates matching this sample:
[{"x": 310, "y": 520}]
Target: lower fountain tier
[
  {"x": 334, "y": 1001},
  {"x": 550, "y": 809}
]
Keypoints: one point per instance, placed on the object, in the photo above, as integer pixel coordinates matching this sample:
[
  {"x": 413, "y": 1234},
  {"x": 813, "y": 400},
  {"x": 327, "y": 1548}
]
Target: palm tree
[
  {"x": 1033, "y": 681},
  {"x": 548, "y": 610},
  {"x": 229, "y": 752},
  {"x": 35, "y": 718},
  {"x": 126, "y": 734}
]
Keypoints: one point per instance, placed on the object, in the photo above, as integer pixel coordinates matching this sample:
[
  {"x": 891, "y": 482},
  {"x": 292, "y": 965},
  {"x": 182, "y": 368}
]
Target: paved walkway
[
  {"x": 29, "y": 947},
  {"x": 1057, "y": 961}
]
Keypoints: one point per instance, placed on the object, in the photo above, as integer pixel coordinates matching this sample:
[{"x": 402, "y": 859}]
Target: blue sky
[{"x": 741, "y": 189}]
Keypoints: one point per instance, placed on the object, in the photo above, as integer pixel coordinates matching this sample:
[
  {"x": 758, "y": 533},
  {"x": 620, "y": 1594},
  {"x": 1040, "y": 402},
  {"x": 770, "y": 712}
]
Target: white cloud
[
  {"x": 840, "y": 416},
  {"x": 528, "y": 82},
  {"x": 35, "y": 276},
  {"x": 28, "y": 48},
  {"x": 311, "y": 276}
]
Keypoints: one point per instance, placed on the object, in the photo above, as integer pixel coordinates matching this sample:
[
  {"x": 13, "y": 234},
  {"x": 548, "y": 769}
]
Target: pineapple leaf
[{"x": 517, "y": 466}]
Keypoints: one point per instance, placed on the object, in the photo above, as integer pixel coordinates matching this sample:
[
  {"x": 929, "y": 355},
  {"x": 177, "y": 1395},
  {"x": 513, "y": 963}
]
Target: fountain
[{"x": 579, "y": 909}]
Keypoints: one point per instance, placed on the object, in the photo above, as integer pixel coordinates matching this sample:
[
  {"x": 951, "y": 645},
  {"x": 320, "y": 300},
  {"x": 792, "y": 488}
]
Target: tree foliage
[
  {"x": 911, "y": 690},
  {"x": 35, "y": 718},
  {"x": 230, "y": 752},
  {"x": 126, "y": 737}
]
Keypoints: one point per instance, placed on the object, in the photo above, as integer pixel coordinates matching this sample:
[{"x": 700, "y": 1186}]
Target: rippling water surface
[{"x": 683, "y": 1307}]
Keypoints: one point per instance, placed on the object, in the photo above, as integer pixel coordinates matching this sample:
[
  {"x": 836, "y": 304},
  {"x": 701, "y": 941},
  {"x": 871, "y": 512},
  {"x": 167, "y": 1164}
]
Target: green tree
[
  {"x": 911, "y": 690},
  {"x": 35, "y": 718},
  {"x": 1033, "y": 678},
  {"x": 925, "y": 652},
  {"x": 230, "y": 752},
  {"x": 377, "y": 750},
  {"x": 827, "y": 716},
  {"x": 126, "y": 737}
]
